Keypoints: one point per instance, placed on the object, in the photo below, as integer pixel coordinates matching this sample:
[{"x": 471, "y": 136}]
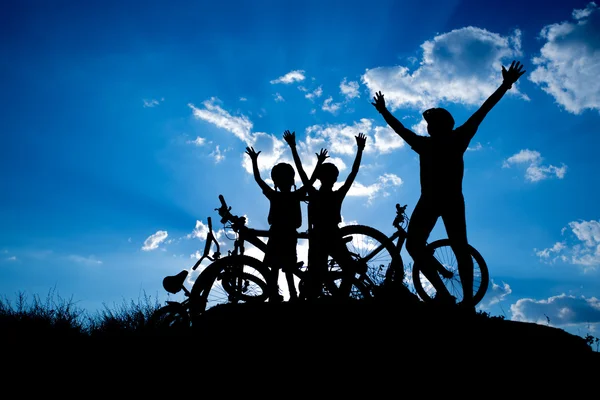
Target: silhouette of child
[
  {"x": 441, "y": 176},
  {"x": 285, "y": 217},
  {"x": 324, "y": 213}
]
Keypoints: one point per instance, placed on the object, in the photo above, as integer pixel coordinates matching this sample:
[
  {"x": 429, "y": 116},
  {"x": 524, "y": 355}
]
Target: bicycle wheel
[
  {"x": 358, "y": 289},
  {"x": 172, "y": 316},
  {"x": 232, "y": 279},
  {"x": 442, "y": 251},
  {"x": 376, "y": 250}
]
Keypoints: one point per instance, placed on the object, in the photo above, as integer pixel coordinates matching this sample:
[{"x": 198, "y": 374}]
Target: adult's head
[
  {"x": 283, "y": 175},
  {"x": 439, "y": 121}
]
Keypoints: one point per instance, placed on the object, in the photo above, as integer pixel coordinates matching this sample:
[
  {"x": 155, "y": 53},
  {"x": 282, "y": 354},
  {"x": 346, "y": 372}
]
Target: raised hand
[
  {"x": 290, "y": 138},
  {"x": 513, "y": 73},
  {"x": 253, "y": 154},
  {"x": 379, "y": 102},
  {"x": 322, "y": 156},
  {"x": 361, "y": 140}
]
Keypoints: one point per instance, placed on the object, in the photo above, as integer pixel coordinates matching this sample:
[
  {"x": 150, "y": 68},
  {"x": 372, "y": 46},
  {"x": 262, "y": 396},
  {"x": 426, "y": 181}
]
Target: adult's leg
[
  {"x": 422, "y": 222},
  {"x": 454, "y": 219}
]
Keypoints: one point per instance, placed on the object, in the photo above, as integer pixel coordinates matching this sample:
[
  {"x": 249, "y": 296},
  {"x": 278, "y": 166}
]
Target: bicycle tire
[
  {"x": 173, "y": 316},
  {"x": 358, "y": 289},
  {"x": 442, "y": 251},
  {"x": 219, "y": 282},
  {"x": 364, "y": 240}
]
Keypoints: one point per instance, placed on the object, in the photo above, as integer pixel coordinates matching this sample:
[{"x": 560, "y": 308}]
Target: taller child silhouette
[
  {"x": 441, "y": 175},
  {"x": 324, "y": 215}
]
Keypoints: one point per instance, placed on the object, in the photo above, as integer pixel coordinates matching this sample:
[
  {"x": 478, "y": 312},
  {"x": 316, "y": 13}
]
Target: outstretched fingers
[
  {"x": 251, "y": 152},
  {"x": 322, "y": 155}
]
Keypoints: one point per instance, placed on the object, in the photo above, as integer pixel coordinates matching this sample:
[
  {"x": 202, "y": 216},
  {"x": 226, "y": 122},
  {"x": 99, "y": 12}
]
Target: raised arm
[
  {"x": 361, "y": 140},
  {"x": 509, "y": 76},
  {"x": 290, "y": 138},
  {"x": 254, "y": 157},
  {"x": 405, "y": 133}
]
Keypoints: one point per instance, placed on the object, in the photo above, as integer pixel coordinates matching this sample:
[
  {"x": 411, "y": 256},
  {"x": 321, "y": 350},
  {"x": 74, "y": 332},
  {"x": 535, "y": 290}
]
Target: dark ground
[
  {"x": 359, "y": 349},
  {"x": 396, "y": 329}
]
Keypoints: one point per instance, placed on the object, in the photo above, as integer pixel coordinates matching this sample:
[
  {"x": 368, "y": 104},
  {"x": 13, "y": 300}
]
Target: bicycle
[
  {"x": 446, "y": 265},
  {"x": 238, "y": 278}
]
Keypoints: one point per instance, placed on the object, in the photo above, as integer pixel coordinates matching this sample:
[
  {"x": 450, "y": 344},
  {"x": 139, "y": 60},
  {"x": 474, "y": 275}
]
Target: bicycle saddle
[{"x": 173, "y": 284}]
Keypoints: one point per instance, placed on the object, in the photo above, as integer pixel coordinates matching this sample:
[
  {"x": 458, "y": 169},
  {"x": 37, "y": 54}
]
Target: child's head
[
  {"x": 283, "y": 175},
  {"x": 439, "y": 121},
  {"x": 328, "y": 174}
]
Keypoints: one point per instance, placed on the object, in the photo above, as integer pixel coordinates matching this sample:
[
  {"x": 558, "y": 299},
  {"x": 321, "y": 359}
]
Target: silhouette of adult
[
  {"x": 285, "y": 217},
  {"x": 441, "y": 176},
  {"x": 324, "y": 215}
]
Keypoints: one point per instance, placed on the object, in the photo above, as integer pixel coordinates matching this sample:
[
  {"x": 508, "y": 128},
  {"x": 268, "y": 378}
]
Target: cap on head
[
  {"x": 283, "y": 174},
  {"x": 438, "y": 119}
]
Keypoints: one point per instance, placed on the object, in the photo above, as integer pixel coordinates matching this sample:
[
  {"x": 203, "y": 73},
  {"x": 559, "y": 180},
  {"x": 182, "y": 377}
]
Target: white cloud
[
  {"x": 199, "y": 141},
  {"x": 420, "y": 128},
  {"x": 568, "y": 65},
  {"x": 201, "y": 232},
  {"x": 152, "y": 103},
  {"x": 461, "y": 66},
  {"x": 240, "y": 126},
  {"x": 91, "y": 260},
  {"x": 476, "y": 147},
  {"x": 271, "y": 147},
  {"x": 271, "y": 150},
  {"x": 338, "y": 138},
  {"x": 535, "y": 171},
  {"x": 278, "y": 97},
  {"x": 329, "y": 106},
  {"x": 341, "y": 138},
  {"x": 314, "y": 94},
  {"x": 11, "y": 258},
  {"x": 495, "y": 294},
  {"x": 243, "y": 99},
  {"x": 154, "y": 240},
  {"x": 217, "y": 154},
  {"x": 561, "y": 310},
  {"x": 349, "y": 89},
  {"x": 376, "y": 189},
  {"x": 386, "y": 140},
  {"x": 581, "y": 247},
  {"x": 290, "y": 77}
]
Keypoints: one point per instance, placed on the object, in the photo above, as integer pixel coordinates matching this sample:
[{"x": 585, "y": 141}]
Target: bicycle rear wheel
[
  {"x": 171, "y": 317},
  {"x": 376, "y": 251},
  {"x": 442, "y": 251},
  {"x": 232, "y": 279},
  {"x": 332, "y": 287}
]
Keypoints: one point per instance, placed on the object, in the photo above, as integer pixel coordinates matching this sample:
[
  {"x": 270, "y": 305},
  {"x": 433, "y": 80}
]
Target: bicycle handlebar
[
  {"x": 400, "y": 215},
  {"x": 226, "y": 216},
  {"x": 222, "y": 200}
]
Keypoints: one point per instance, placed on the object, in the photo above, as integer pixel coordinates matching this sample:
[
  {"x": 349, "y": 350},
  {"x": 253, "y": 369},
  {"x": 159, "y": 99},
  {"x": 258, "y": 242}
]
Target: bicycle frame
[{"x": 243, "y": 232}]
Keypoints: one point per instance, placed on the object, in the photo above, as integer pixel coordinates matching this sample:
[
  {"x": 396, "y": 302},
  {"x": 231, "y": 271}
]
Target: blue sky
[{"x": 122, "y": 122}]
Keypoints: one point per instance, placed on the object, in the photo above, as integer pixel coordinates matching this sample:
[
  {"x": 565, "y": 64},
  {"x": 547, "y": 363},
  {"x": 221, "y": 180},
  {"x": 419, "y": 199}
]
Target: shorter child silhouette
[
  {"x": 324, "y": 214},
  {"x": 285, "y": 217}
]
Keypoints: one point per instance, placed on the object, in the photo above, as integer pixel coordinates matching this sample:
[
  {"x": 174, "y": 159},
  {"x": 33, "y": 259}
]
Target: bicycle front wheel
[
  {"x": 232, "y": 279},
  {"x": 373, "y": 248},
  {"x": 443, "y": 252}
]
